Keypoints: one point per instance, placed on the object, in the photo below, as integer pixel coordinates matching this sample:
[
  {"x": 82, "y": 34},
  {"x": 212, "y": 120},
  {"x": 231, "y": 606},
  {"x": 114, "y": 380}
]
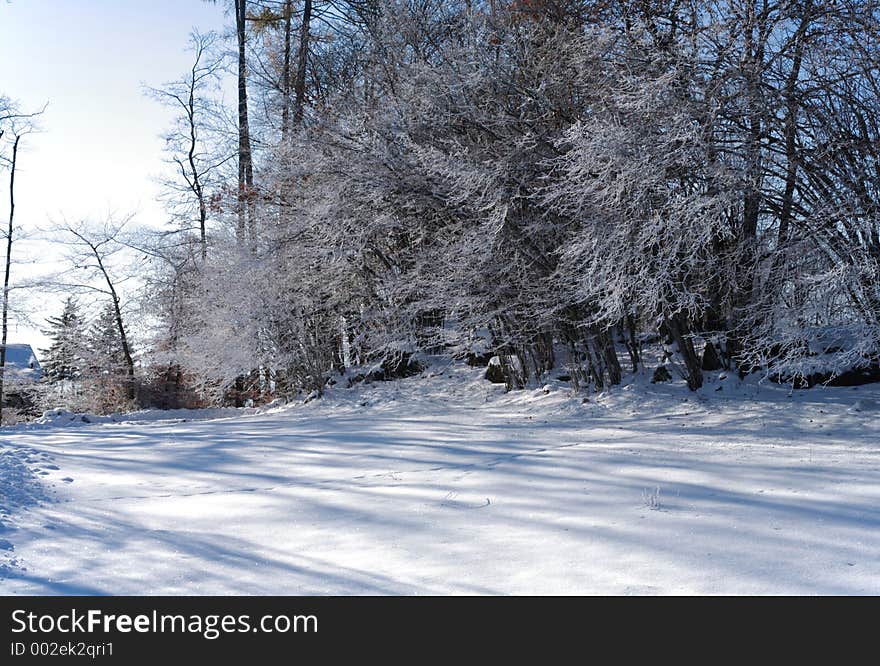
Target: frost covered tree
[
  {"x": 104, "y": 344},
  {"x": 548, "y": 182},
  {"x": 63, "y": 361},
  {"x": 92, "y": 253},
  {"x": 109, "y": 385}
]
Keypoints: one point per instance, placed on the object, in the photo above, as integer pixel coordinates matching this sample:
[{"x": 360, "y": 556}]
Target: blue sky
[{"x": 100, "y": 148}]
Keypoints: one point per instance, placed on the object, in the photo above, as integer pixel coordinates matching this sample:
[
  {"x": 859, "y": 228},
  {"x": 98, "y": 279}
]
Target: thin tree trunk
[
  {"x": 299, "y": 87},
  {"x": 628, "y": 332},
  {"x": 752, "y": 62},
  {"x": 246, "y": 222},
  {"x": 790, "y": 129},
  {"x": 126, "y": 350},
  {"x": 285, "y": 72},
  {"x": 196, "y": 180},
  {"x": 285, "y": 100},
  {"x": 6, "y": 277},
  {"x": 117, "y": 312}
]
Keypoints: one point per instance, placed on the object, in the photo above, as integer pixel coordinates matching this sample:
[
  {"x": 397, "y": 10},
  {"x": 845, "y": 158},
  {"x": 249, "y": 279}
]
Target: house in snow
[{"x": 22, "y": 362}]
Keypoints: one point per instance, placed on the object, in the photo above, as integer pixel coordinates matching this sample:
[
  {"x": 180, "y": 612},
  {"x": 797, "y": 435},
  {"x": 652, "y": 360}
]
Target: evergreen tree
[
  {"x": 106, "y": 355},
  {"x": 63, "y": 360}
]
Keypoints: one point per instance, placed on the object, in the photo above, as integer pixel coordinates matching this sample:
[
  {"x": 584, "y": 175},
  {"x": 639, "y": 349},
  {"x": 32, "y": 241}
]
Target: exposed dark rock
[
  {"x": 661, "y": 374},
  {"x": 495, "y": 371},
  {"x": 357, "y": 379},
  {"x": 397, "y": 368},
  {"x": 478, "y": 360},
  {"x": 854, "y": 377},
  {"x": 857, "y": 377}
]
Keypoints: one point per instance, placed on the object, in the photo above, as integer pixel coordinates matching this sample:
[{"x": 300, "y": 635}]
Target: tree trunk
[
  {"x": 628, "y": 332},
  {"x": 679, "y": 331},
  {"x": 605, "y": 340},
  {"x": 196, "y": 179},
  {"x": 299, "y": 88},
  {"x": 126, "y": 350},
  {"x": 6, "y": 277},
  {"x": 790, "y": 128},
  {"x": 285, "y": 73},
  {"x": 117, "y": 312},
  {"x": 752, "y": 62},
  {"x": 246, "y": 222}
]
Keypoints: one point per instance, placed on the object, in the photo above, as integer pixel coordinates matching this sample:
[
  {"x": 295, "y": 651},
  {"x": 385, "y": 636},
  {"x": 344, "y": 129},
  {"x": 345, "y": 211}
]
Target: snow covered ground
[{"x": 445, "y": 484}]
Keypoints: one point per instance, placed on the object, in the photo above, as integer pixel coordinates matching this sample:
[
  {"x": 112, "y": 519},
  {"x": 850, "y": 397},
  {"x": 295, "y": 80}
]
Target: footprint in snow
[{"x": 67, "y": 479}]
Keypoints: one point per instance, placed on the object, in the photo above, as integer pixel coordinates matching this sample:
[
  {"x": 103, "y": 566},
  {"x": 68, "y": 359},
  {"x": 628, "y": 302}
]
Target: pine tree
[
  {"x": 63, "y": 360},
  {"x": 106, "y": 356}
]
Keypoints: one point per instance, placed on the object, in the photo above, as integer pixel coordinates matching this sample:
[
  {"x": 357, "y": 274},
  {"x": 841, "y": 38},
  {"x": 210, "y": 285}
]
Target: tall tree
[
  {"x": 186, "y": 142},
  {"x": 63, "y": 360},
  {"x": 17, "y": 125},
  {"x": 287, "y": 17},
  {"x": 246, "y": 221},
  {"x": 9, "y": 231},
  {"x": 106, "y": 344},
  {"x": 91, "y": 252},
  {"x": 299, "y": 86},
  {"x": 244, "y": 208}
]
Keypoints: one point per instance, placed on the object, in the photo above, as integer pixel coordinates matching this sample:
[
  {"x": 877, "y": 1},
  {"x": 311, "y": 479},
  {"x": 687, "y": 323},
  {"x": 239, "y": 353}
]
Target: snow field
[{"x": 446, "y": 485}]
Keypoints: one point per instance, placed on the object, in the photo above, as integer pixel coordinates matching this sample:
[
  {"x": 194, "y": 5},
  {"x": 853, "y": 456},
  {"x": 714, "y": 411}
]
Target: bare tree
[
  {"x": 92, "y": 249},
  {"x": 245, "y": 213},
  {"x": 9, "y": 231},
  {"x": 186, "y": 141},
  {"x": 19, "y": 124},
  {"x": 247, "y": 223}
]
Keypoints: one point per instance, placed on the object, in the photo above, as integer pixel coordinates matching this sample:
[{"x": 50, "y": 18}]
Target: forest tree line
[{"x": 544, "y": 181}]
